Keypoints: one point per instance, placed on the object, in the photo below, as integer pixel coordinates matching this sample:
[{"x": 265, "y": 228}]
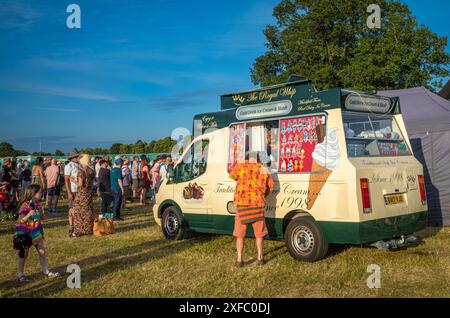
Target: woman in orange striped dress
[{"x": 253, "y": 184}]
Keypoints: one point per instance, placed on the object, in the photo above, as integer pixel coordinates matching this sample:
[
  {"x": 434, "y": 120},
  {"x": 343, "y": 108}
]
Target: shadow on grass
[
  {"x": 133, "y": 226},
  {"x": 9, "y": 228},
  {"x": 96, "y": 267},
  {"x": 274, "y": 253},
  {"x": 428, "y": 232},
  {"x": 336, "y": 249}
]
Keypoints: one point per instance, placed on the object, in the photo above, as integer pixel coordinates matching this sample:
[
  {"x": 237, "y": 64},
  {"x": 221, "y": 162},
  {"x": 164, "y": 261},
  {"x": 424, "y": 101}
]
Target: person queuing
[
  {"x": 71, "y": 182},
  {"x": 52, "y": 181},
  {"x": 166, "y": 167},
  {"x": 82, "y": 214},
  {"x": 37, "y": 173},
  {"x": 108, "y": 161},
  {"x": 253, "y": 184},
  {"x": 156, "y": 177},
  {"x": 47, "y": 162},
  {"x": 71, "y": 176},
  {"x": 104, "y": 188},
  {"x": 126, "y": 182},
  {"x": 145, "y": 179},
  {"x": 135, "y": 170},
  {"x": 61, "y": 181},
  {"x": 3, "y": 197},
  {"x": 117, "y": 188},
  {"x": 29, "y": 223},
  {"x": 97, "y": 167},
  {"x": 9, "y": 177},
  {"x": 6, "y": 171},
  {"x": 25, "y": 176},
  {"x": 15, "y": 180}
]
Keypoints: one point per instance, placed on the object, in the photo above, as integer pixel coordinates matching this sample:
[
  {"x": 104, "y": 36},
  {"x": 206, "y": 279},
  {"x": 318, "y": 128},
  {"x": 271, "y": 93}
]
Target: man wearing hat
[{"x": 71, "y": 176}]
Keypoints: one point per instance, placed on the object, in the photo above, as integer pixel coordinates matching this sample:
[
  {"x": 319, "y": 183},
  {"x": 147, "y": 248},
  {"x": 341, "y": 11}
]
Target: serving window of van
[
  {"x": 194, "y": 163},
  {"x": 373, "y": 135},
  {"x": 285, "y": 145}
]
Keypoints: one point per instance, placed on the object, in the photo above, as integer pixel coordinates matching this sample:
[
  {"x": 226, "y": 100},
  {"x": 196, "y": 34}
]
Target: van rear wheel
[
  {"x": 172, "y": 224},
  {"x": 304, "y": 240}
]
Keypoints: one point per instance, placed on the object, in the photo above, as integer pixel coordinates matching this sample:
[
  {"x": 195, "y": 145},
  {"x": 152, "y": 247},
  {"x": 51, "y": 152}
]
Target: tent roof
[
  {"x": 445, "y": 92},
  {"x": 423, "y": 111}
]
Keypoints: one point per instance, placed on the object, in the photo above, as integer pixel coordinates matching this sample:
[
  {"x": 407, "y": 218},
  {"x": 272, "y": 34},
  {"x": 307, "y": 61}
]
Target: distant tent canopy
[
  {"x": 427, "y": 120},
  {"x": 445, "y": 92}
]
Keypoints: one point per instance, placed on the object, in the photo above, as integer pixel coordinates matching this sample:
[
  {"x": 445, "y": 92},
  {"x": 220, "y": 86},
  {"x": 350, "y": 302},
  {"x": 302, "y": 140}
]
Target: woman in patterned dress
[
  {"x": 29, "y": 223},
  {"x": 82, "y": 213}
]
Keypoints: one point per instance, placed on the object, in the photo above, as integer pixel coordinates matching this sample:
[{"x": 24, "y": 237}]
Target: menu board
[
  {"x": 236, "y": 152},
  {"x": 298, "y": 139}
]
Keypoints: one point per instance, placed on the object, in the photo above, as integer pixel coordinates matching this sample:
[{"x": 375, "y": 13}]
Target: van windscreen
[{"x": 373, "y": 135}]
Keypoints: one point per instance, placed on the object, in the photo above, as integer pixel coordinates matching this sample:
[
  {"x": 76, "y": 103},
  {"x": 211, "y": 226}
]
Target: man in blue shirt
[{"x": 117, "y": 188}]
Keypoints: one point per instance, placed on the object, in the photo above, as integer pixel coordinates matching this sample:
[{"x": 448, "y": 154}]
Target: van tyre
[
  {"x": 172, "y": 224},
  {"x": 304, "y": 240}
]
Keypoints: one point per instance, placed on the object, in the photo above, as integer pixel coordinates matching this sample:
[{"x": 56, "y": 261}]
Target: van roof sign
[
  {"x": 273, "y": 109},
  {"x": 368, "y": 103},
  {"x": 287, "y": 91}
]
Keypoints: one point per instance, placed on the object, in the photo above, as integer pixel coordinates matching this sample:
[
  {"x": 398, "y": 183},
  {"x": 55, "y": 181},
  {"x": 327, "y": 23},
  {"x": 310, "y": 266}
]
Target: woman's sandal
[
  {"x": 261, "y": 262},
  {"x": 51, "y": 274},
  {"x": 239, "y": 264},
  {"x": 22, "y": 278}
]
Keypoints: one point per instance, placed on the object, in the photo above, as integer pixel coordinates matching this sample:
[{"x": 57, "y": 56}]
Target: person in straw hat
[{"x": 71, "y": 181}]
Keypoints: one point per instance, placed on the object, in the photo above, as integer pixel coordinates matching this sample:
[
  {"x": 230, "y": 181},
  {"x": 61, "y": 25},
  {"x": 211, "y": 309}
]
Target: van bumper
[{"x": 374, "y": 230}]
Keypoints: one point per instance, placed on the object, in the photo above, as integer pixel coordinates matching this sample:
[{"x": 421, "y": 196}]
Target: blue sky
[{"x": 135, "y": 70}]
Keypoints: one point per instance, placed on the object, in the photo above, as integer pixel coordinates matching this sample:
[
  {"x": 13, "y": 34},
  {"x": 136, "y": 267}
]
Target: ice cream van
[{"x": 342, "y": 163}]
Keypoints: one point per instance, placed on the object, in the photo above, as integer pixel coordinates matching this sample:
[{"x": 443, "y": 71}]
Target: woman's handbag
[
  {"x": 108, "y": 226},
  {"x": 103, "y": 226}
]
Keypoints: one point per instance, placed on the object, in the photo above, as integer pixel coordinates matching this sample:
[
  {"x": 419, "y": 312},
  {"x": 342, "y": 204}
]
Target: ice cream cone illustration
[{"x": 325, "y": 159}]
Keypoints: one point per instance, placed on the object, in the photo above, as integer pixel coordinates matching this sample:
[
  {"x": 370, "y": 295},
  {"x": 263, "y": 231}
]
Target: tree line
[
  {"x": 330, "y": 43},
  {"x": 163, "y": 145}
]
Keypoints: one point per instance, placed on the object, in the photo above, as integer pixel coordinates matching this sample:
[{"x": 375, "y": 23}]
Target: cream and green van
[{"x": 342, "y": 163}]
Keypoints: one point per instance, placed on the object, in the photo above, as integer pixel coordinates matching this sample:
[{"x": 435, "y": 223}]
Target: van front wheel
[
  {"x": 172, "y": 224},
  {"x": 304, "y": 240}
]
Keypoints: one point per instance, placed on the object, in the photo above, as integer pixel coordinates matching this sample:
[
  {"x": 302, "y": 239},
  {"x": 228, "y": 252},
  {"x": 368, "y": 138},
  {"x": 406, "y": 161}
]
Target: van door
[{"x": 192, "y": 186}]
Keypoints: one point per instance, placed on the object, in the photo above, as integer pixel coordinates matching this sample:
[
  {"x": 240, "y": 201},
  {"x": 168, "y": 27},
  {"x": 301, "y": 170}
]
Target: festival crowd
[{"x": 117, "y": 181}]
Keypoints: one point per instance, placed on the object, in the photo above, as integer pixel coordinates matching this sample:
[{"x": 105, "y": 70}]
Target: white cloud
[
  {"x": 36, "y": 88},
  {"x": 58, "y": 109},
  {"x": 17, "y": 15}
]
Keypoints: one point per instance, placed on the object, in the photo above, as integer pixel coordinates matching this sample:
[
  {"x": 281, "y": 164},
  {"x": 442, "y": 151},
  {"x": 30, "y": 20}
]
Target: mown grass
[{"x": 137, "y": 262}]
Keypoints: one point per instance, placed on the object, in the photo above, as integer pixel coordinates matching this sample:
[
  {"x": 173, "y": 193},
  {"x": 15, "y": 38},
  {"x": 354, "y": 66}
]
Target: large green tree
[{"x": 329, "y": 42}]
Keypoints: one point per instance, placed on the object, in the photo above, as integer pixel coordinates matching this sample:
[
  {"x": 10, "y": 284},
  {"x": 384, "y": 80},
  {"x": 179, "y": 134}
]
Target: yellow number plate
[{"x": 394, "y": 199}]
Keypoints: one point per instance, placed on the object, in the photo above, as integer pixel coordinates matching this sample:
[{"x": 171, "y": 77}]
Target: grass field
[{"x": 137, "y": 262}]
